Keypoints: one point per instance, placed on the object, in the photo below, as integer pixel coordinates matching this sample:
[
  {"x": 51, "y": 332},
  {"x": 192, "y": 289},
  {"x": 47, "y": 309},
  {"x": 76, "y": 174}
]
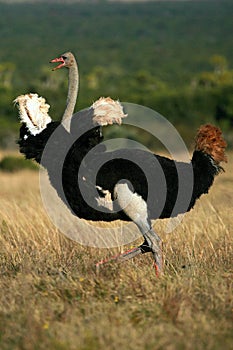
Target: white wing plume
[{"x": 33, "y": 111}]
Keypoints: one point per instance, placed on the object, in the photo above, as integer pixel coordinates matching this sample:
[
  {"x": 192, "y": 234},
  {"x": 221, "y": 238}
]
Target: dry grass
[{"x": 51, "y": 297}]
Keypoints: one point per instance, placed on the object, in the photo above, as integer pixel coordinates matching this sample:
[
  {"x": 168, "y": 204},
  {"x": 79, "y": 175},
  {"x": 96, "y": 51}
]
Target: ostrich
[
  {"x": 118, "y": 174},
  {"x": 111, "y": 112},
  {"x": 34, "y": 109}
]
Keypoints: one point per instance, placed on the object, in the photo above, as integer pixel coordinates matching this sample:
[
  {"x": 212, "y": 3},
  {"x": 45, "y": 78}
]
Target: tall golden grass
[{"x": 52, "y": 298}]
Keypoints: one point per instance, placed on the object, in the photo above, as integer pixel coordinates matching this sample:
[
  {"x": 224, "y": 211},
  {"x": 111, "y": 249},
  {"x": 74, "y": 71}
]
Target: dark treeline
[{"x": 174, "y": 57}]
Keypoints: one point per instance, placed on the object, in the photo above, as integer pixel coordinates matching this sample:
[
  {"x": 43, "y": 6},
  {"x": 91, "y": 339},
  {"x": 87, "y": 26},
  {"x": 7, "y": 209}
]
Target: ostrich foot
[
  {"x": 155, "y": 244},
  {"x": 135, "y": 207},
  {"x": 129, "y": 254}
]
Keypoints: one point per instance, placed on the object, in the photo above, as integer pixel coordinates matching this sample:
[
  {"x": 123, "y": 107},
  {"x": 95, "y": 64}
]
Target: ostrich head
[
  {"x": 33, "y": 111},
  {"x": 67, "y": 60}
]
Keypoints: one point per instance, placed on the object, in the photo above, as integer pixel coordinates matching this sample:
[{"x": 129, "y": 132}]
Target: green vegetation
[
  {"x": 175, "y": 57},
  {"x": 14, "y": 163}
]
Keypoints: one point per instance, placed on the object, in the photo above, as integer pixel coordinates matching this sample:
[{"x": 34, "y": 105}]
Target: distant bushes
[
  {"x": 186, "y": 109},
  {"x": 140, "y": 53},
  {"x": 13, "y": 163}
]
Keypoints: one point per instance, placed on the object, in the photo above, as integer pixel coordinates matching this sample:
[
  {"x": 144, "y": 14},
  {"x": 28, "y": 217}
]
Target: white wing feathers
[
  {"x": 107, "y": 111},
  {"x": 33, "y": 111}
]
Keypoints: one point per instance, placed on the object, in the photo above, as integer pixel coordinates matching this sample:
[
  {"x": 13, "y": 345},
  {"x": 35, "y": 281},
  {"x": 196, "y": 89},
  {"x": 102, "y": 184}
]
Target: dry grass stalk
[{"x": 51, "y": 296}]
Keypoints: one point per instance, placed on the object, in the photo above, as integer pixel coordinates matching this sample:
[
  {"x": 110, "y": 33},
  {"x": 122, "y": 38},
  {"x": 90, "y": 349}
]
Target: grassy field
[{"x": 52, "y": 298}]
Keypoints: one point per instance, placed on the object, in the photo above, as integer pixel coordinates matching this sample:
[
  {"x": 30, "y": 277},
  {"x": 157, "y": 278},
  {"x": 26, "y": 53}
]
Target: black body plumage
[{"x": 67, "y": 151}]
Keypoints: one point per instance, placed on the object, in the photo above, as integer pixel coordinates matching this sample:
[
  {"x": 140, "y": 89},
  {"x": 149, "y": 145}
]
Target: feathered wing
[
  {"x": 107, "y": 111},
  {"x": 33, "y": 111},
  {"x": 85, "y": 126}
]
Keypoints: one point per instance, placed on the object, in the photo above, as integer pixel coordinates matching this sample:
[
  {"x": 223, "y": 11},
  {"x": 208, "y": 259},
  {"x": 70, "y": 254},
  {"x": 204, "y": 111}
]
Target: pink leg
[
  {"x": 135, "y": 208},
  {"x": 129, "y": 254}
]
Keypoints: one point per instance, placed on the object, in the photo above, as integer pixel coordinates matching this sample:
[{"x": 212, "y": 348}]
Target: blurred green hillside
[{"x": 175, "y": 57}]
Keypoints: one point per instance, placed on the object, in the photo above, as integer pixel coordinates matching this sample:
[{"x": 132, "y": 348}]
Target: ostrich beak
[{"x": 59, "y": 59}]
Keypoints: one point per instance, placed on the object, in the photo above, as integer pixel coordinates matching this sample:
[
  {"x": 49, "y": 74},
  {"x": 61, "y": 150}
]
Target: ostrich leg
[
  {"x": 155, "y": 244},
  {"x": 136, "y": 209}
]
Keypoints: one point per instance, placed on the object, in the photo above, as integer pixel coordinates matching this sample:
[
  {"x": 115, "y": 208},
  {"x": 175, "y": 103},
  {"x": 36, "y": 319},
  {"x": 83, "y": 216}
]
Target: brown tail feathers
[{"x": 209, "y": 140}]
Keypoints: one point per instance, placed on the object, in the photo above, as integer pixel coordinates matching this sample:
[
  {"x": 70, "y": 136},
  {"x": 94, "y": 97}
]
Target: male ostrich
[
  {"x": 34, "y": 109},
  {"x": 118, "y": 173}
]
